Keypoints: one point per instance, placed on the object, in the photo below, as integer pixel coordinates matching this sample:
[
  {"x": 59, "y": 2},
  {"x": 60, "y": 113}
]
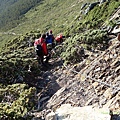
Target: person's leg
[
  {"x": 42, "y": 59},
  {"x": 53, "y": 45},
  {"x": 38, "y": 58},
  {"x": 61, "y": 40},
  {"x": 47, "y": 58}
]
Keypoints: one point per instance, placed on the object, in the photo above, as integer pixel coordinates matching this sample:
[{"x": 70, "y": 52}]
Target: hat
[{"x": 50, "y": 31}]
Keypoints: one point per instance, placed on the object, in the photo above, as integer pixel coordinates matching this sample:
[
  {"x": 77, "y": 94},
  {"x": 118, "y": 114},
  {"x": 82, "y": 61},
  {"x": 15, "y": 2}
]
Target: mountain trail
[{"x": 95, "y": 84}]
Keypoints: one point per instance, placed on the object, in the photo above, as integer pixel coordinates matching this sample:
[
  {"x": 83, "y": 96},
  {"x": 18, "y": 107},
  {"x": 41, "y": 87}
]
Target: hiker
[
  {"x": 52, "y": 38},
  {"x": 41, "y": 49},
  {"x": 48, "y": 41},
  {"x": 59, "y": 39},
  {"x": 50, "y": 44},
  {"x": 48, "y": 38}
]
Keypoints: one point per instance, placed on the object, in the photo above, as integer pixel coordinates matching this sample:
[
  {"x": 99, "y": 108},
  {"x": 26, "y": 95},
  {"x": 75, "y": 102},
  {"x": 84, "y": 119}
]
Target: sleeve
[
  {"x": 44, "y": 46},
  {"x": 35, "y": 43}
]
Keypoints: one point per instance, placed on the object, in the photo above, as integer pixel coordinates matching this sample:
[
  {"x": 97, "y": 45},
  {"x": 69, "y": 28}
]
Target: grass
[
  {"x": 52, "y": 14},
  {"x": 59, "y": 16}
]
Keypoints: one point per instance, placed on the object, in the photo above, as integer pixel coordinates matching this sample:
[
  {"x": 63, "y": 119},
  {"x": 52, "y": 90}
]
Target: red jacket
[
  {"x": 43, "y": 44},
  {"x": 58, "y": 38}
]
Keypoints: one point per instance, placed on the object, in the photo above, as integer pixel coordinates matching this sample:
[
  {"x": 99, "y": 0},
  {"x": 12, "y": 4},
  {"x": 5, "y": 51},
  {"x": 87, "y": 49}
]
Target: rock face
[
  {"x": 96, "y": 84},
  {"x": 92, "y": 5}
]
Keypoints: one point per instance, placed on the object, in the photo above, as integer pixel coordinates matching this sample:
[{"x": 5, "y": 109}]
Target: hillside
[
  {"x": 61, "y": 17},
  {"x": 83, "y": 71},
  {"x": 33, "y": 19},
  {"x": 12, "y": 12}
]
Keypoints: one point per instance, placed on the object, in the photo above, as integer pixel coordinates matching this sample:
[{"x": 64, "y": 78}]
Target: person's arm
[
  {"x": 53, "y": 38},
  {"x": 35, "y": 47}
]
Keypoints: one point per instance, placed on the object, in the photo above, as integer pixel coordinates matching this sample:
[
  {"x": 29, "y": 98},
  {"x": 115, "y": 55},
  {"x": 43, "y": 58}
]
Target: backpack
[
  {"x": 49, "y": 39},
  {"x": 39, "y": 50}
]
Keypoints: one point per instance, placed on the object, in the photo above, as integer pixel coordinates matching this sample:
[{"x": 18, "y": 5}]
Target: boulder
[
  {"x": 91, "y": 6},
  {"x": 68, "y": 112},
  {"x": 51, "y": 116}
]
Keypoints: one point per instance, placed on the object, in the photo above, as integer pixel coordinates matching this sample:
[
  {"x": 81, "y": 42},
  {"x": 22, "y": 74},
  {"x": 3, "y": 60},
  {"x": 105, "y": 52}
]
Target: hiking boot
[{"x": 49, "y": 64}]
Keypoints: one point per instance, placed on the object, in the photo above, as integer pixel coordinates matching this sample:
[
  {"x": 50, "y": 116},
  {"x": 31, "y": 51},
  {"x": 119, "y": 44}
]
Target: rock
[
  {"x": 68, "y": 112},
  {"x": 95, "y": 84},
  {"x": 109, "y": 78},
  {"x": 97, "y": 69},
  {"x": 91, "y": 6},
  {"x": 102, "y": 1},
  {"x": 83, "y": 6},
  {"x": 51, "y": 116},
  {"x": 108, "y": 93},
  {"x": 115, "y": 31},
  {"x": 19, "y": 79}
]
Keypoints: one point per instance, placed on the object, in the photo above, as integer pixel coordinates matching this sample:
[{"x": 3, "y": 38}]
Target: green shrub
[
  {"x": 72, "y": 52},
  {"x": 17, "y": 100},
  {"x": 71, "y": 48}
]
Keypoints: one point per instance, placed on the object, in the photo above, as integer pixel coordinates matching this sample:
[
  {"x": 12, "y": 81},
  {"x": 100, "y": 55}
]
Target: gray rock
[
  {"x": 91, "y": 6},
  {"x": 67, "y": 112},
  {"x": 83, "y": 6},
  {"x": 102, "y": 1},
  {"x": 51, "y": 116}
]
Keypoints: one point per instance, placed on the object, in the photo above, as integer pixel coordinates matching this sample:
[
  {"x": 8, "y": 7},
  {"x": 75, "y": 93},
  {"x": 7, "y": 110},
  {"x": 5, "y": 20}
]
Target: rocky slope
[{"x": 96, "y": 84}]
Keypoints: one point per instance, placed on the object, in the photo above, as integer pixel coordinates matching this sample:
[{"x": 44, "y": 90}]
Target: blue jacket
[{"x": 49, "y": 39}]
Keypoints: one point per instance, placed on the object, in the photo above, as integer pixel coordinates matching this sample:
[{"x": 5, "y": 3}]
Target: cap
[{"x": 50, "y": 31}]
